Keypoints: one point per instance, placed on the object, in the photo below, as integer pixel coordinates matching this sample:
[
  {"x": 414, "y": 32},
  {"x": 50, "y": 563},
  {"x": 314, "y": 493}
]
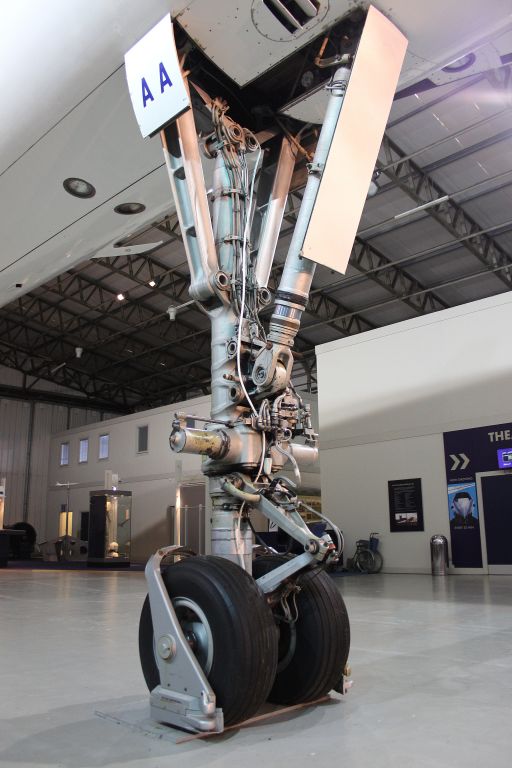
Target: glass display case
[{"x": 110, "y": 515}]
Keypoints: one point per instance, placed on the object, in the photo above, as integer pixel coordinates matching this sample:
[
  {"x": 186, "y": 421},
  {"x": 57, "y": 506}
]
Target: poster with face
[{"x": 463, "y": 506}]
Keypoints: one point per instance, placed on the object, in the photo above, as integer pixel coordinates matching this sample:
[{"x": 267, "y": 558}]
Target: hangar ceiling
[{"x": 451, "y": 144}]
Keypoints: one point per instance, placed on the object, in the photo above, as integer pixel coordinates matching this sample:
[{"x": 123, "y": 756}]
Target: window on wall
[
  {"x": 64, "y": 454},
  {"x": 83, "y": 450},
  {"x": 142, "y": 439},
  {"x": 103, "y": 447}
]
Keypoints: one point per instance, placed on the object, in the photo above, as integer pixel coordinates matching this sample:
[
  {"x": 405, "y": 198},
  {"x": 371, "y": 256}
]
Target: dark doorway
[{"x": 497, "y": 504}]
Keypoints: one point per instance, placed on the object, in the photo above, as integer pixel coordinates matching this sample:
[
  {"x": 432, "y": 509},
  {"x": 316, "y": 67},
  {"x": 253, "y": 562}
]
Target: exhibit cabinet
[{"x": 109, "y": 533}]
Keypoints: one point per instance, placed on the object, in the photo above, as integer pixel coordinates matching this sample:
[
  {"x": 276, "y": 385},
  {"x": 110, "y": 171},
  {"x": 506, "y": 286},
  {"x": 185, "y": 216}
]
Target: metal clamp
[
  {"x": 317, "y": 168},
  {"x": 184, "y": 697}
]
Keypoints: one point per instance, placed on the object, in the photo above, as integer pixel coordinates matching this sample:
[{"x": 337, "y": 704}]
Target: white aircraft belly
[
  {"x": 85, "y": 237},
  {"x": 52, "y": 55}
]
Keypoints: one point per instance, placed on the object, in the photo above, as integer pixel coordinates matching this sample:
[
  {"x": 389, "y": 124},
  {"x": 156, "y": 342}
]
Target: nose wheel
[
  {"x": 229, "y": 627},
  {"x": 314, "y": 636}
]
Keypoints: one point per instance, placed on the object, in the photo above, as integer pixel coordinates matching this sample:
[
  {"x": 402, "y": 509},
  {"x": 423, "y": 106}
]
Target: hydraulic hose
[{"x": 251, "y": 498}]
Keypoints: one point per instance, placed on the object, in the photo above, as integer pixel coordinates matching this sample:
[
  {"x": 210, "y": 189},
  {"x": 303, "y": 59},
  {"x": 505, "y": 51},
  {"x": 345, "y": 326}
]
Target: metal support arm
[
  {"x": 274, "y": 212},
  {"x": 184, "y": 697},
  {"x": 289, "y": 521},
  {"x": 273, "y": 579},
  {"x": 183, "y": 162},
  {"x": 295, "y": 283}
]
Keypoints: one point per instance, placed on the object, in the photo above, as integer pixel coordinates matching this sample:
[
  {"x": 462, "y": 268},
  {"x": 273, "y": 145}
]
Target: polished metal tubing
[
  {"x": 274, "y": 212},
  {"x": 295, "y": 283}
]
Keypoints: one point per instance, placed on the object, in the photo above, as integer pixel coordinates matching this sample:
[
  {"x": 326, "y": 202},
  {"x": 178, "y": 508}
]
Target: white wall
[
  {"x": 386, "y": 397},
  {"x": 152, "y": 477}
]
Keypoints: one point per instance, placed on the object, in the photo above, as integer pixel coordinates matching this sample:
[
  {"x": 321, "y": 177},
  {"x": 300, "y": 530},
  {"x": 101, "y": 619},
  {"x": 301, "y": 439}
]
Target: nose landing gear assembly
[
  {"x": 217, "y": 641},
  {"x": 222, "y": 634}
]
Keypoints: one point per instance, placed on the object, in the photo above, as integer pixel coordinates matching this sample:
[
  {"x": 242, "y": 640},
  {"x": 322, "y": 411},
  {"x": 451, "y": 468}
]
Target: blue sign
[
  {"x": 463, "y": 505},
  {"x": 505, "y": 458},
  {"x": 467, "y": 453}
]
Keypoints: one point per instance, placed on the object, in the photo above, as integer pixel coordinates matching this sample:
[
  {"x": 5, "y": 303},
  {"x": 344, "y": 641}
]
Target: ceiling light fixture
[
  {"x": 128, "y": 209},
  {"x": 57, "y": 367},
  {"x": 172, "y": 311},
  {"x": 152, "y": 284},
  {"x": 78, "y": 187},
  {"x": 120, "y": 297},
  {"x": 431, "y": 203},
  {"x": 78, "y": 352},
  {"x": 374, "y": 187}
]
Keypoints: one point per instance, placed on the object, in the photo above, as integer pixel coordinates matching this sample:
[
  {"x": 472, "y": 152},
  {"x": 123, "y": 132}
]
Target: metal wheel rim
[{"x": 197, "y": 630}]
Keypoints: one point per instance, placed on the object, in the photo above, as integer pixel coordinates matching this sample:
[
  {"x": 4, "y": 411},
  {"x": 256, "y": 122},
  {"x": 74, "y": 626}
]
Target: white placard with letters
[
  {"x": 154, "y": 78},
  {"x": 355, "y": 144}
]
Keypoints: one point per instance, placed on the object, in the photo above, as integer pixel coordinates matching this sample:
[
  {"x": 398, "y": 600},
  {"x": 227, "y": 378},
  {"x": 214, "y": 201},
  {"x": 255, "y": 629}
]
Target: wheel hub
[{"x": 196, "y": 629}]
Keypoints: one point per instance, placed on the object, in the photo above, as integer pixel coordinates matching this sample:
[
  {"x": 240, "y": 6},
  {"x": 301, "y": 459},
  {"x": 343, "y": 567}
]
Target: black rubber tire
[
  {"x": 322, "y": 637},
  {"x": 378, "y": 562},
  {"x": 366, "y": 561},
  {"x": 244, "y": 633}
]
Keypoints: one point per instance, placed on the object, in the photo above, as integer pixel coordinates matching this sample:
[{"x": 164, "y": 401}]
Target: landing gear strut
[{"x": 215, "y": 641}]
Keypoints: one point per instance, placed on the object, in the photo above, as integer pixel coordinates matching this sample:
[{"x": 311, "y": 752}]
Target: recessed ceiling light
[
  {"x": 120, "y": 296},
  {"x": 151, "y": 283},
  {"x": 78, "y": 187},
  {"x": 128, "y": 209},
  {"x": 459, "y": 65}
]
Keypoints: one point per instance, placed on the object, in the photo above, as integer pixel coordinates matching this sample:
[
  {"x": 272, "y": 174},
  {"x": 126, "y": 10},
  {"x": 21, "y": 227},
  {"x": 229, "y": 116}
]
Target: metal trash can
[{"x": 439, "y": 554}]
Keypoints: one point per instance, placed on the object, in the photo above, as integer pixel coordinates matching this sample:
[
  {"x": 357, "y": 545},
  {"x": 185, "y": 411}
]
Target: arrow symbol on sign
[{"x": 460, "y": 460}]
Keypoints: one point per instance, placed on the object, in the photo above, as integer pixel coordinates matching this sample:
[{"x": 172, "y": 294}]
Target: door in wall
[
  {"x": 190, "y": 511},
  {"x": 497, "y": 504}
]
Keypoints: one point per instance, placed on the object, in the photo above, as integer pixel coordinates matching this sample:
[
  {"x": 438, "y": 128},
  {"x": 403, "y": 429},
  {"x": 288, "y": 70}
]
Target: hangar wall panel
[
  {"x": 26, "y": 497},
  {"x": 47, "y": 420},
  {"x": 14, "y": 378},
  {"x": 386, "y": 397},
  {"x": 152, "y": 476},
  {"x": 14, "y": 425}
]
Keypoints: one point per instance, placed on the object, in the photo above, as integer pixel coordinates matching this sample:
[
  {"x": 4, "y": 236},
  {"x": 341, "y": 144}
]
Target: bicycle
[{"x": 367, "y": 557}]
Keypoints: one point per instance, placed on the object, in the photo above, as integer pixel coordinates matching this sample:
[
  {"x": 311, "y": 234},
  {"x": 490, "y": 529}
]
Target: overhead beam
[
  {"x": 422, "y": 188},
  {"x": 57, "y": 398},
  {"x": 99, "y": 338},
  {"x": 396, "y": 281}
]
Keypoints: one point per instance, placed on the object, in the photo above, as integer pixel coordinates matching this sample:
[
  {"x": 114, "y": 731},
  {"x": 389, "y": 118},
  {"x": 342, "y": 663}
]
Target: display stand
[{"x": 109, "y": 528}]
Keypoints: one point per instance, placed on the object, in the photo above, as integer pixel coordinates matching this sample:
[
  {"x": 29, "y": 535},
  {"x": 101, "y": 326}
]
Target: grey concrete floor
[{"x": 431, "y": 661}]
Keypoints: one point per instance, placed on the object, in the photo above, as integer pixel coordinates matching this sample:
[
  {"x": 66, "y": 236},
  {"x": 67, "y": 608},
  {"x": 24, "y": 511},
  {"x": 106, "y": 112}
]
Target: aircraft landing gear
[
  {"x": 229, "y": 627},
  {"x": 215, "y": 642}
]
